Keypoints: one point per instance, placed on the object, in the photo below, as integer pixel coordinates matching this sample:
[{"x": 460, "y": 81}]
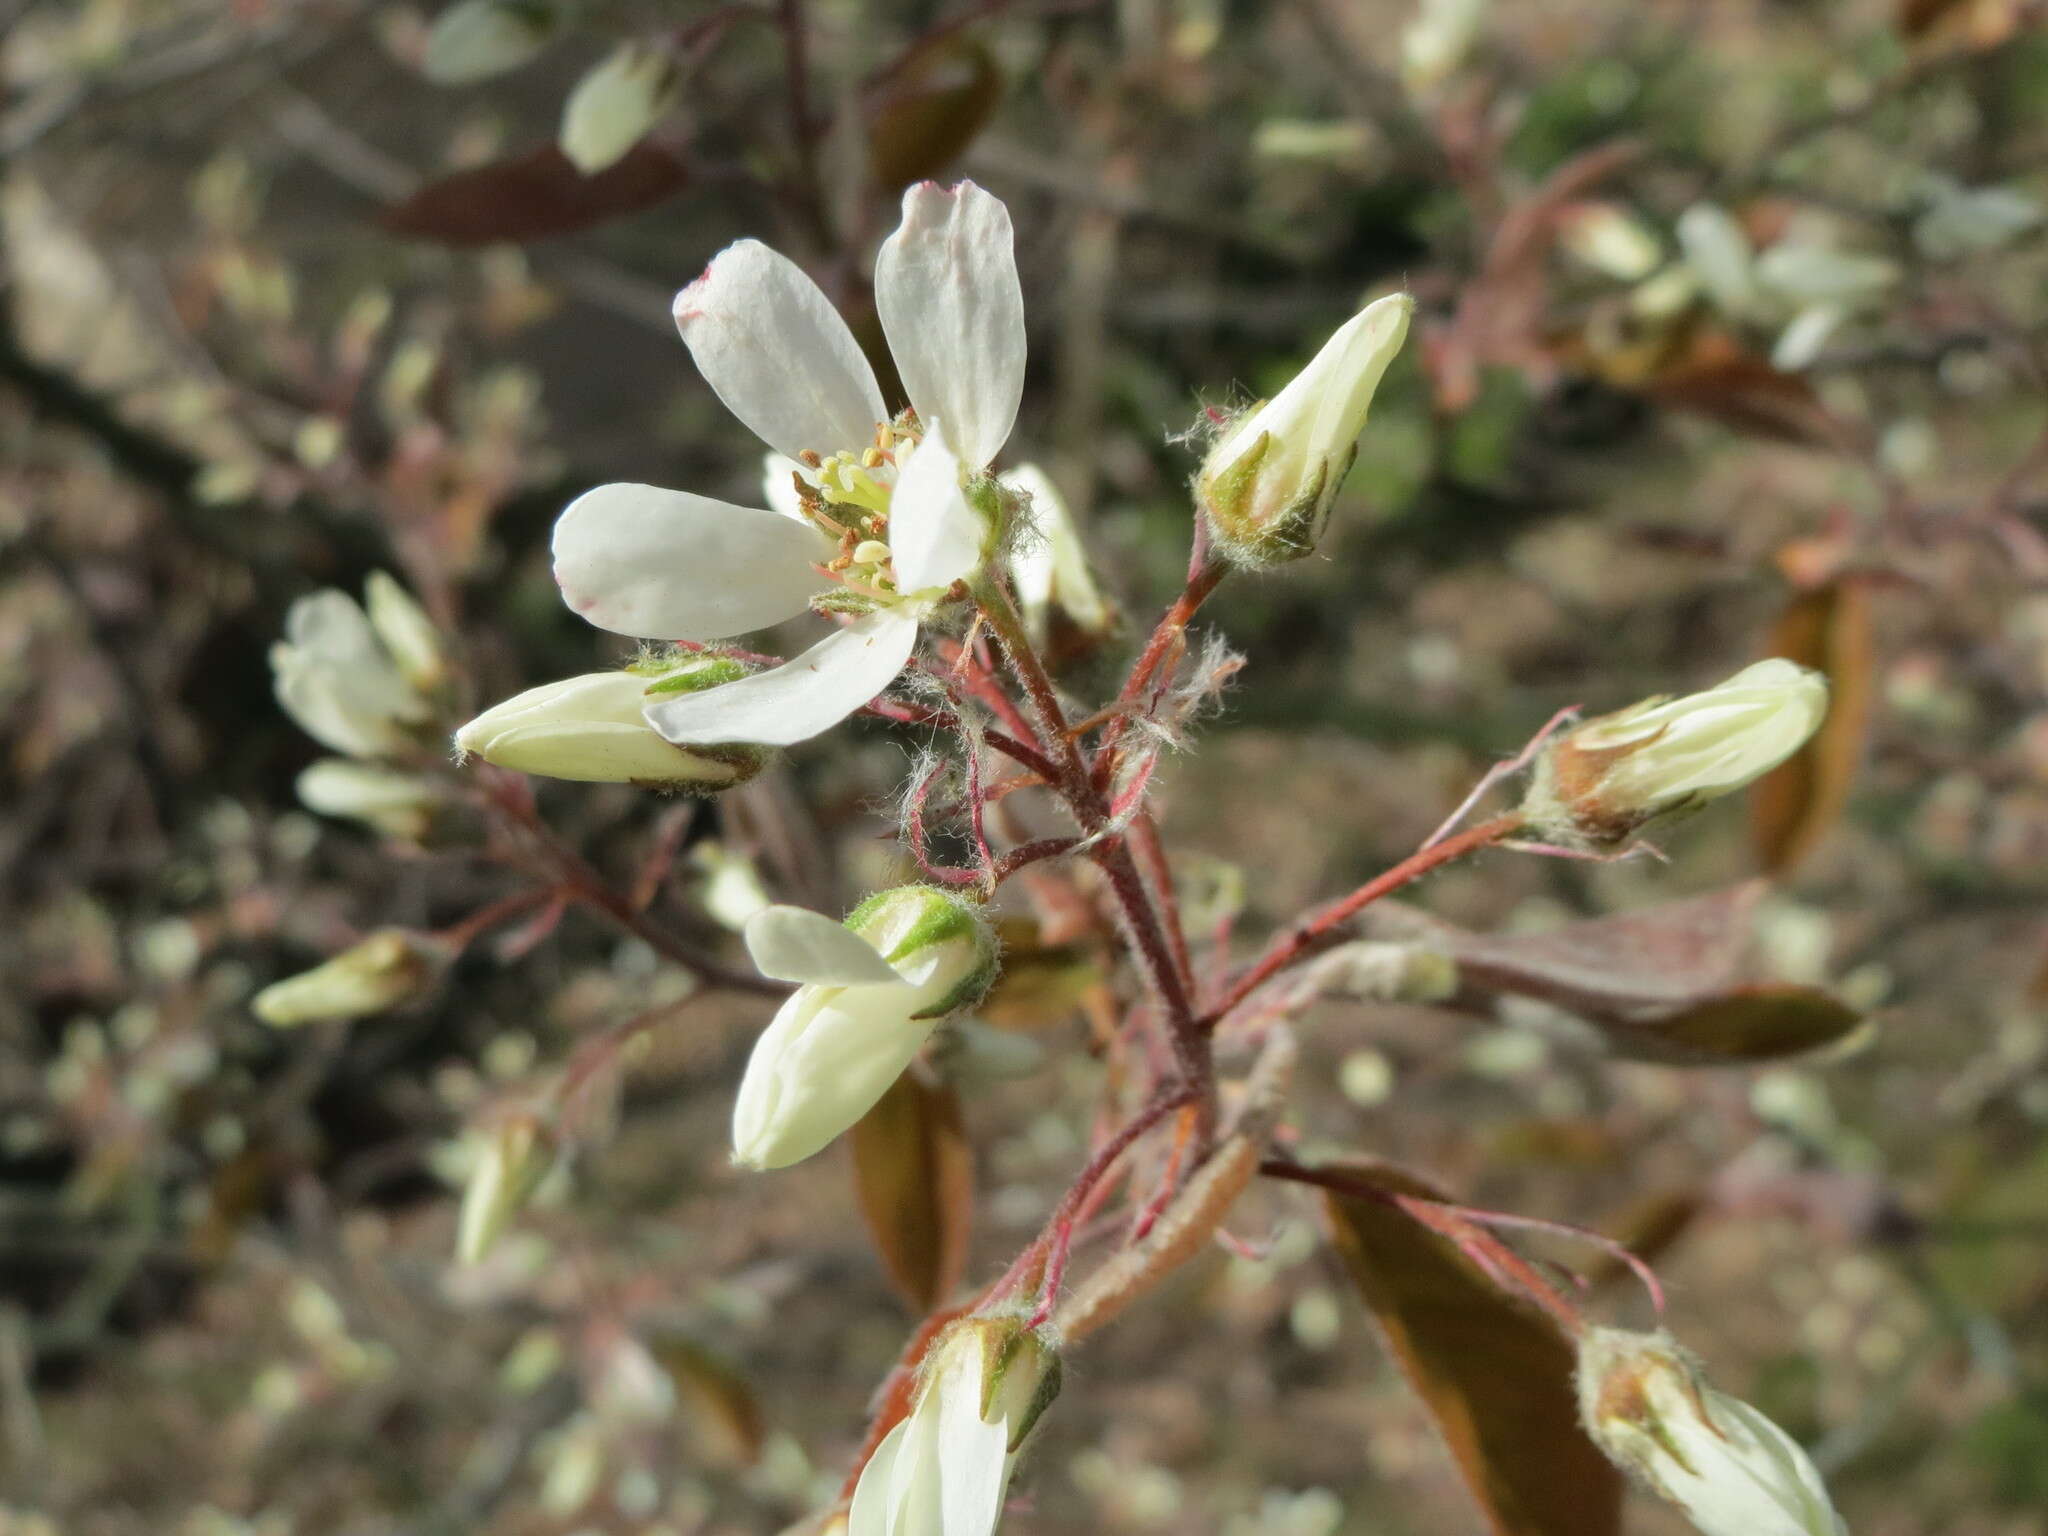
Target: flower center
[{"x": 847, "y": 496}]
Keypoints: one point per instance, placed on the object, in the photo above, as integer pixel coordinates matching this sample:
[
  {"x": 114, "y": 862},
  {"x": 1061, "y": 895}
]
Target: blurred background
[{"x": 1730, "y": 342}]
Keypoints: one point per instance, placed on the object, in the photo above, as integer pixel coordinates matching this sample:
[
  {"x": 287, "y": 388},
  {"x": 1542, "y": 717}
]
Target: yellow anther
[
  {"x": 872, "y": 458},
  {"x": 870, "y": 552}
]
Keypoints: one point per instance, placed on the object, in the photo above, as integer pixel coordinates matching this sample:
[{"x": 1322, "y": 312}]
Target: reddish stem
[{"x": 1298, "y": 940}]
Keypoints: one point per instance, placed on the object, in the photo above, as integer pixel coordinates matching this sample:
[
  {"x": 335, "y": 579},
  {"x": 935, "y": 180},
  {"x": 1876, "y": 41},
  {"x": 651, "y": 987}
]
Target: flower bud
[
  {"x": 381, "y": 972},
  {"x": 1609, "y": 239},
  {"x": 947, "y": 1465},
  {"x": 511, "y": 1160},
  {"x": 1731, "y": 1470},
  {"x": 1435, "y": 43},
  {"x": 399, "y": 805},
  {"x": 339, "y": 680},
  {"x": 1601, "y": 781},
  {"x": 1268, "y": 484},
  {"x": 614, "y": 105},
  {"x": 475, "y": 39},
  {"x": 873, "y": 989},
  {"x": 1056, "y": 592},
  {"x": 406, "y": 633},
  {"x": 593, "y": 729}
]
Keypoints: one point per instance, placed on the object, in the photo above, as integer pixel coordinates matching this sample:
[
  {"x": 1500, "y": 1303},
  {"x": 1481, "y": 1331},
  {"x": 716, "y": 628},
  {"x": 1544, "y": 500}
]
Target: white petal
[
  {"x": 973, "y": 1455},
  {"x": 915, "y": 1487},
  {"x": 870, "y": 1513},
  {"x": 934, "y": 535},
  {"x": 799, "y": 699},
  {"x": 947, "y": 291},
  {"x": 797, "y": 944},
  {"x": 771, "y": 346},
  {"x": 667, "y": 565}
]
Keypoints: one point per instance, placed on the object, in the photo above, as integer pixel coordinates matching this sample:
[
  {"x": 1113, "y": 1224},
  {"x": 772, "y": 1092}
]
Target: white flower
[
  {"x": 1609, "y": 239},
  {"x": 613, "y": 106},
  {"x": 379, "y": 973},
  {"x": 1050, "y": 567},
  {"x": 475, "y": 39},
  {"x": 1602, "y": 780},
  {"x": 944, "y": 1469},
  {"x": 1731, "y": 1470},
  {"x": 1803, "y": 282},
  {"x": 594, "y": 729},
  {"x": 1268, "y": 484},
  {"x": 873, "y": 989},
  {"x": 336, "y": 676},
  {"x": 397, "y": 804},
  {"x": 885, "y": 506}
]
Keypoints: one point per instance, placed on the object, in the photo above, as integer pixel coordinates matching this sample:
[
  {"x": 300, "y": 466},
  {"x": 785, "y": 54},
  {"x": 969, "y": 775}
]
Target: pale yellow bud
[
  {"x": 475, "y": 39},
  {"x": 381, "y": 972},
  {"x": 1603, "y": 780},
  {"x": 399, "y": 805},
  {"x": 1268, "y": 484},
  {"x": 407, "y": 634},
  {"x": 1732, "y": 1471},
  {"x": 512, "y": 1159},
  {"x": 593, "y": 729},
  {"x": 613, "y": 106}
]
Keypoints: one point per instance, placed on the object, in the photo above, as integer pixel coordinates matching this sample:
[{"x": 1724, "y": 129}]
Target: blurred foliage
[{"x": 280, "y": 312}]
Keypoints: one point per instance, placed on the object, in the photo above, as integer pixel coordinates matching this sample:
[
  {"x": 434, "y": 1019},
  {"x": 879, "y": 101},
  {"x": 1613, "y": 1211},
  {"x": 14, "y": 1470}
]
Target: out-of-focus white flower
[
  {"x": 379, "y": 973},
  {"x": 613, "y": 106},
  {"x": 336, "y": 676},
  {"x": 511, "y": 1158},
  {"x": 896, "y": 511},
  {"x": 945, "y": 1468},
  {"x": 1436, "y": 41},
  {"x": 1050, "y": 565},
  {"x": 1609, "y": 239},
  {"x": 1268, "y": 484},
  {"x": 732, "y": 891},
  {"x": 594, "y": 729},
  {"x": 1601, "y": 781},
  {"x": 397, "y": 804},
  {"x": 1965, "y": 221},
  {"x": 1731, "y": 1470},
  {"x": 473, "y": 40},
  {"x": 1803, "y": 282},
  {"x": 873, "y": 988}
]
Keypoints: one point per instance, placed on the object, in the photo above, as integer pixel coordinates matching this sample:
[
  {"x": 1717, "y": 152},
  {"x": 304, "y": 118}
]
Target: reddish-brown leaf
[
  {"x": 1495, "y": 1374},
  {"x": 724, "y": 1420},
  {"x": 1677, "y": 983},
  {"x": 1793, "y": 805},
  {"x": 534, "y": 196},
  {"x": 1717, "y": 378},
  {"x": 929, "y": 108},
  {"x": 914, "y": 1172}
]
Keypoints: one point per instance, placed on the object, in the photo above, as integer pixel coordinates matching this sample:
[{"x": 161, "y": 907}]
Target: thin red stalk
[
  {"x": 1298, "y": 940},
  {"x": 1151, "y": 851},
  {"x": 1203, "y": 579}
]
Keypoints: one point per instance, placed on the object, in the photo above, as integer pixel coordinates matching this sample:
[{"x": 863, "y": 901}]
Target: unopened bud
[
  {"x": 1732, "y": 1471},
  {"x": 511, "y": 1160},
  {"x": 592, "y": 729},
  {"x": 1603, "y": 780},
  {"x": 613, "y": 106},
  {"x": 1268, "y": 484},
  {"x": 475, "y": 39},
  {"x": 873, "y": 989},
  {"x": 399, "y": 805},
  {"x": 947, "y": 1465},
  {"x": 381, "y": 972},
  {"x": 1609, "y": 239},
  {"x": 1437, "y": 41},
  {"x": 1056, "y": 592},
  {"x": 407, "y": 634}
]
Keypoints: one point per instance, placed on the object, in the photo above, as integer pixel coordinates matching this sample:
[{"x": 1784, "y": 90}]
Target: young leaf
[
  {"x": 725, "y": 1421},
  {"x": 1792, "y": 806},
  {"x": 1495, "y": 1374},
  {"x": 914, "y": 1172},
  {"x": 931, "y": 106},
  {"x": 534, "y": 196}
]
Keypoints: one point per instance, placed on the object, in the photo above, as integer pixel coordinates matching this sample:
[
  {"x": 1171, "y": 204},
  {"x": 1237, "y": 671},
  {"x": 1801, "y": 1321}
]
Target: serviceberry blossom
[{"x": 888, "y": 513}]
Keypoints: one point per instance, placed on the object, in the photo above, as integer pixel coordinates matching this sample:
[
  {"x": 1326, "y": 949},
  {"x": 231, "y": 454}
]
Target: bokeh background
[{"x": 279, "y": 310}]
